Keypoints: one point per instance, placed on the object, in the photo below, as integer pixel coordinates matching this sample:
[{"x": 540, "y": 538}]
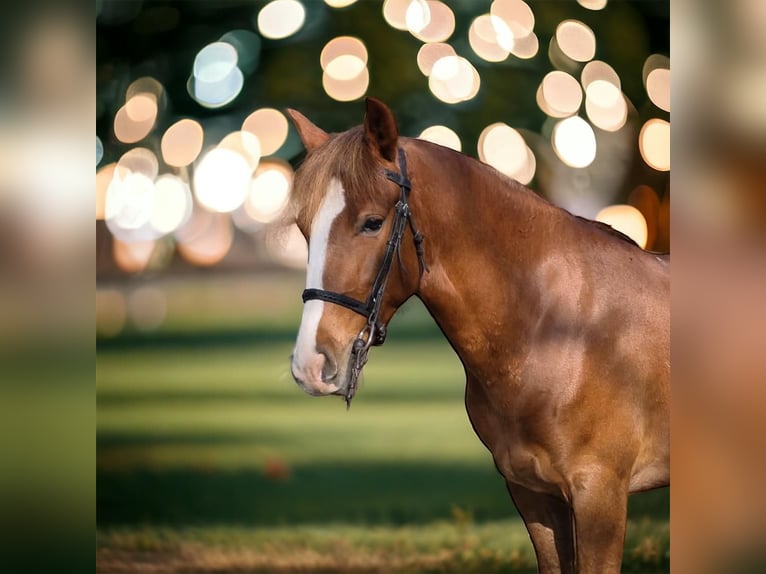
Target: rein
[{"x": 374, "y": 332}]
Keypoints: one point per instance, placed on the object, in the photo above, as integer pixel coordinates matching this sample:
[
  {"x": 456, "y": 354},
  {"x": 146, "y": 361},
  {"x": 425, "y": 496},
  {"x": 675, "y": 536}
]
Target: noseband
[{"x": 374, "y": 332}]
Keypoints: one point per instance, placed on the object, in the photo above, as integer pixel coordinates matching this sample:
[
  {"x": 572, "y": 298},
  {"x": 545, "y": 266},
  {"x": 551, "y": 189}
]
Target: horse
[{"x": 562, "y": 324}]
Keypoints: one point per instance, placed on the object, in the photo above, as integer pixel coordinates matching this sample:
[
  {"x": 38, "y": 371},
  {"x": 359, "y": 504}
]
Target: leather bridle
[{"x": 374, "y": 332}]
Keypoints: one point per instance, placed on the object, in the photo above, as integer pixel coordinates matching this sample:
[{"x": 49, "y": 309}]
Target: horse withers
[{"x": 562, "y": 324}]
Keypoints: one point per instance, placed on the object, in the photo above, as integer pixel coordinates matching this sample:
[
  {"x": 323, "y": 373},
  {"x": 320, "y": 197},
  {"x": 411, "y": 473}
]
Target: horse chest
[{"x": 517, "y": 455}]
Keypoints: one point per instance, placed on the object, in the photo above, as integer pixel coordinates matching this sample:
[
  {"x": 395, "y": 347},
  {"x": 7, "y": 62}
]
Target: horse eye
[{"x": 372, "y": 224}]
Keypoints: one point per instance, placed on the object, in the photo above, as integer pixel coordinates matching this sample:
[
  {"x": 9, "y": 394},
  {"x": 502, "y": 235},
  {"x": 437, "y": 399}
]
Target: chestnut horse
[{"x": 562, "y": 324}]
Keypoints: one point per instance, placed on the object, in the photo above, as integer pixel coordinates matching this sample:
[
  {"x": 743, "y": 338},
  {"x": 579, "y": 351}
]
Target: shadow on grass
[
  {"x": 278, "y": 495},
  {"x": 449, "y": 394}
]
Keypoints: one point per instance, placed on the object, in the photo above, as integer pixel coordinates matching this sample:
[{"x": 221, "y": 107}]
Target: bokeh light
[
  {"x": 343, "y": 46},
  {"x": 560, "y": 94},
  {"x": 128, "y": 130},
  {"x": 138, "y": 206},
  {"x": 658, "y": 88},
  {"x": 605, "y": 103},
  {"x": 140, "y": 160},
  {"x": 574, "y": 142},
  {"x": 441, "y": 23},
  {"x": 576, "y": 40},
  {"x": 656, "y": 74},
  {"x": 593, "y": 4},
  {"x": 147, "y": 307},
  {"x": 288, "y": 247},
  {"x": 103, "y": 179},
  {"x": 441, "y": 135},
  {"x": 346, "y": 90},
  {"x": 216, "y": 78},
  {"x": 395, "y": 13},
  {"x": 99, "y": 150},
  {"x": 269, "y": 126},
  {"x": 453, "y": 79},
  {"x": 598, "y": 70},
  {"x": 645, "y": 199},
  {"x": 110, "y": 312},
  {"x": 606, "y": 106},
  {"x": 244, "y": 144},
  {"x": 343, "y": 58},
  {"x": 281, "y": 19},
  {"x": 339, "y": 3},
  {"x": 132, "y": 257},
  {"x": 417, "y": 16},
  {"x": 269, "y": 190},
  {"x": 517, "y": 15},
  {"x": 182, "y": 142},
  {"x": 654, "y": 144},
  {"x": 526, "y": 47},
  {"x": 172, "y": 204},
  {"x": 430, "y": 53},
  {"x": 490, "y": 38},
  {"x": 129, "y": 200},
  {"x": 504, "y": 148},
  {"x": 221, "y": 180},
  {"x": 248, "y": 47},
  {"x": 142, "y": 107},
  {"x": 345, "y": 67},
  {"x": 206, "y": 238},
  {"x": 143, "y": 98},
  {"x": 627, "y": 219}
]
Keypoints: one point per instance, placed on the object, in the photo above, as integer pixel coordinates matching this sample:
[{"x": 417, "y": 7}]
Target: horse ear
[
  {"x": 311, "y": 135},
  {"x": 380, "y": 131}
]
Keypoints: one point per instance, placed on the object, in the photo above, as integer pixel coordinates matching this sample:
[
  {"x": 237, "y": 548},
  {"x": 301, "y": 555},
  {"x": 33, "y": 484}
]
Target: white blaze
[{"x": 332, "y": 204}]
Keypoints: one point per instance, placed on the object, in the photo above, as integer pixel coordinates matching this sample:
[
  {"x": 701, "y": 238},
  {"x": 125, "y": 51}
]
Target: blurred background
[{"x": 208, "y": 455}]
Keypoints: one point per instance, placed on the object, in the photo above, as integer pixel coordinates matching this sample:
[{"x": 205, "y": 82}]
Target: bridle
[{"x": 374, "y": 332}]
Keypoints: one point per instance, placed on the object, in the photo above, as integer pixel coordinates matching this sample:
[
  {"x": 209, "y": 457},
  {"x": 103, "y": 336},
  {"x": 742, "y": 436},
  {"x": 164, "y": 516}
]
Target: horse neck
[{"x": 485, "y": 236}]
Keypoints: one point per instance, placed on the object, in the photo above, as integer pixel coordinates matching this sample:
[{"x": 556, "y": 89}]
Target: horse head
[{"x": 350, "y": 202}]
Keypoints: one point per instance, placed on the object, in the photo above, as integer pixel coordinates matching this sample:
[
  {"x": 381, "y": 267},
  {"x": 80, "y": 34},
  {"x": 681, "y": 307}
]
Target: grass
[{"x": 210, "y": 459}]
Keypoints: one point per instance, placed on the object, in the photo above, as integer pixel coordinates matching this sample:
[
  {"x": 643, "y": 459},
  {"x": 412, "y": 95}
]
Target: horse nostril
[{"x": 329, "y": 369}]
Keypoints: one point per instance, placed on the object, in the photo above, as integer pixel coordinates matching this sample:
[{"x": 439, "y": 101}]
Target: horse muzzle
[{"x": 317, "y": 374}]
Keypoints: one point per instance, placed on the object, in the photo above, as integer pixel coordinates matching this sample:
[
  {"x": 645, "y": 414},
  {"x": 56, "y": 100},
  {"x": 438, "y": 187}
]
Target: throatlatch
[{"x": 374, "y": 332}]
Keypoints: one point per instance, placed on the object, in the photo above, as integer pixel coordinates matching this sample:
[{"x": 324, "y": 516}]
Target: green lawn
[{"x": 210, "y": 458}]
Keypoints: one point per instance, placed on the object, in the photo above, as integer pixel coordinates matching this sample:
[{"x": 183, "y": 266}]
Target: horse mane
[{"x": 345, "y": 157}]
